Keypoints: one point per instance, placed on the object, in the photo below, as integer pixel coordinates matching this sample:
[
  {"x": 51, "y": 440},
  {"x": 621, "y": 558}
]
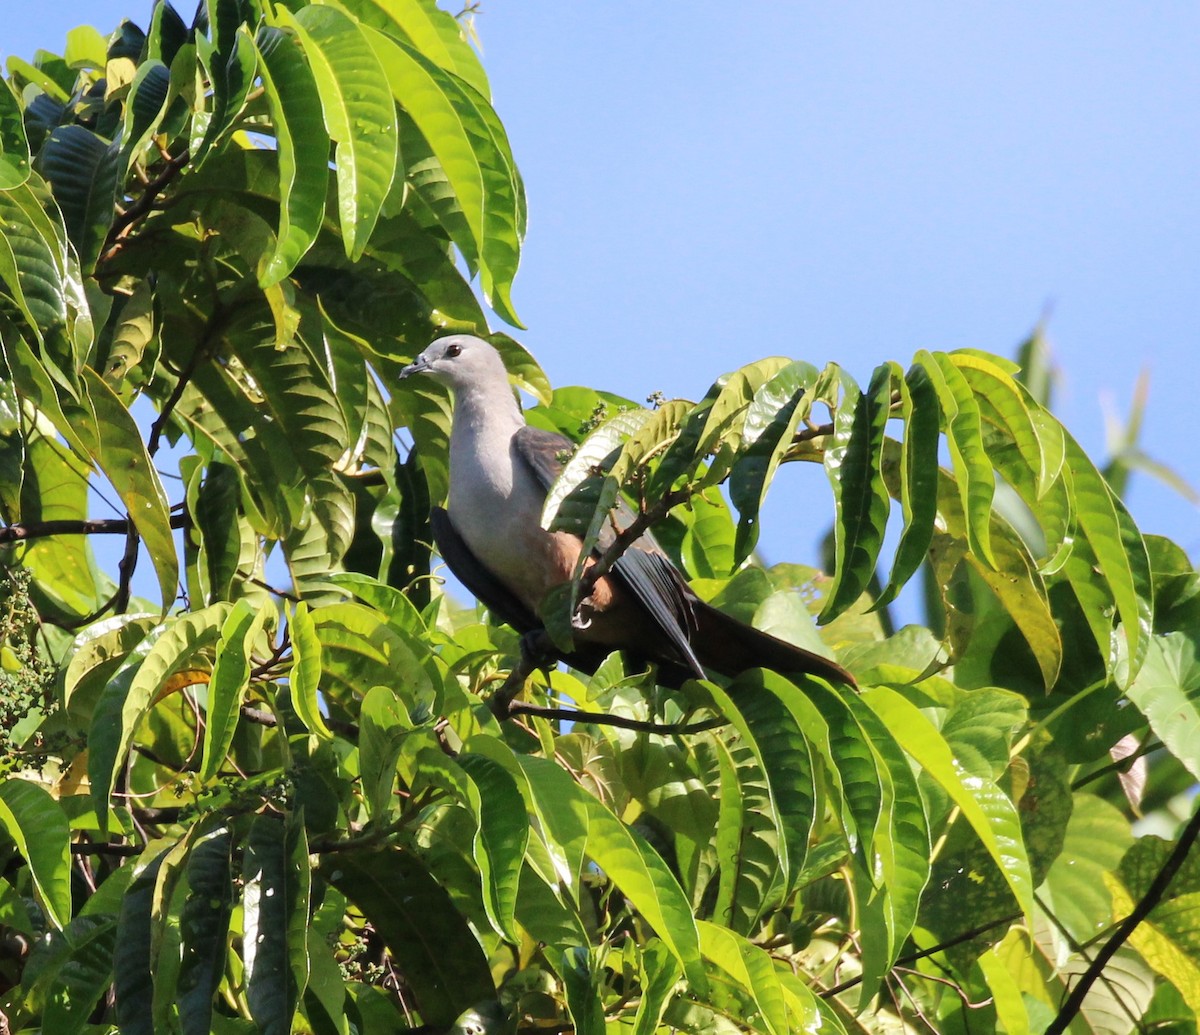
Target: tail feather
[{"x": 730, "y": 647}]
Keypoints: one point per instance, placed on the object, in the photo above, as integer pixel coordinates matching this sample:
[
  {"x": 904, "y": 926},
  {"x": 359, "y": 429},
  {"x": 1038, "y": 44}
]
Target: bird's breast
[{"x": 497, "y": 509}]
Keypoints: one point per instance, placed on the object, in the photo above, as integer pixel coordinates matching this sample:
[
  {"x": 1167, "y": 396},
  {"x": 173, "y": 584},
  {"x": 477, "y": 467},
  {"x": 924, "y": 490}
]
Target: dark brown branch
[
  {"x": 604, "y": 719},
  {"x": 125, "y": 221},
  {"x": 1154, "y": 893},
  {"x": 23, "y": 530}
]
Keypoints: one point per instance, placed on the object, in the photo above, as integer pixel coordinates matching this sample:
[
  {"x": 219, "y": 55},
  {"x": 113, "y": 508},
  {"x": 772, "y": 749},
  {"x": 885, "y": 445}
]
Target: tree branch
[
  {"x": 1154, "y": 893},
  {"x": 620, "y": 721},
  {"x": 23, "y": 530},
  {"x": 627, "y": 537},
  {"x": 124, "y": 223}
]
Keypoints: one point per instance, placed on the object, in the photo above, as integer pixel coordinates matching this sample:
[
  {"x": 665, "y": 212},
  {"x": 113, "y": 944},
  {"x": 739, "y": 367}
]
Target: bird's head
[{"x": 459, "y": 360}]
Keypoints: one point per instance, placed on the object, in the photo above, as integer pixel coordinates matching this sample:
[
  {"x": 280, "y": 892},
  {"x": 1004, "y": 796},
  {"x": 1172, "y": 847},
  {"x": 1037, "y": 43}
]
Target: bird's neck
[{"x": 485, "y": 414}]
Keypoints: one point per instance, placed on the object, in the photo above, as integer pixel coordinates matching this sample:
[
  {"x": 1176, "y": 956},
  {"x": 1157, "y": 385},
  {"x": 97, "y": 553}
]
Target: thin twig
[
  {"x": 1154, "y": 893},
  {"x": 933, "y": 950},
  {"x": 620, "y": 721},
  {"x": 86, "y": 848}
]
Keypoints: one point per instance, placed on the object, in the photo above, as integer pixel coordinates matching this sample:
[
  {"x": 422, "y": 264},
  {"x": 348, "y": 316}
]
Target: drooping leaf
[
  {"x": 625, "y": 857},
  {"x": 39, "y": 828},
  {"x": 984, "y": 805},
  {"x": 359, "y": 116},
  {"x": 306, "y": 670},
  {"x": 774, "y": 414},
  {"x": 204, "y": 930},
  {"x": 133, "y": 960},
  {"x": 501, "y": 827},
  {"x": 427, "y": 94},
  {"x": 14, "y": 146},
  {"x": 125, "y": 702},
  {"x": 964, "y": 435},
  {"x": 122, "y": 456},
  {"x": 854, "y": 464},
  {"x": 918, "y": 476},
  {"x": 303, "y": 147},
  {"x": 82, "y": 170},
  {"x": 275, "y": 921},
  {"x": 227, "y": 686}
]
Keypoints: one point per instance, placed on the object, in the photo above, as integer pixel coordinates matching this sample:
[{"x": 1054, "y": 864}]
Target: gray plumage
[{"x": 492, "y": 539}]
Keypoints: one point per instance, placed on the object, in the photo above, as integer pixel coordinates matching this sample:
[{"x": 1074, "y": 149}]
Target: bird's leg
[{"x": 537, "y": 652}]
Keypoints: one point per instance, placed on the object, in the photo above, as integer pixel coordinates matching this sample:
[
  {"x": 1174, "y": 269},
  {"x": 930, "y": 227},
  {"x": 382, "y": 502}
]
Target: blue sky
[{"x": 712, "y": 182}]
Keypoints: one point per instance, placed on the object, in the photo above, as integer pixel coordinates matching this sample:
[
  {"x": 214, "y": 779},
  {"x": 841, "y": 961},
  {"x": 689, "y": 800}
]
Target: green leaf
[
  {"x": 122, "y": 457},
  {"x": 145, "y": 107},
  {"x": 435, "y": 33},
  {"x": 55, "y": 487},
  {"x": 582, "y": 987},
  {"x": 964, "y": 435},
  {"x": 918, "y": 480},
  {"x": 1167, "y": 691},
  {"x": 204, "y": 930},
  {"x": 125, "y": 701},
  {"x": 579, "y": 514},
  {"x": 747, "y": 840},
  {"x": 359, "y": 648},
  {"x": 14, "y": 147},
  {"x": 1119, "y": 551},
  {"x": 501, "y": 827},
  {"x": 1075, "y": 892},
  {"x": 433, "y": 948},
  {"x": 774, "y": 414},
  {"x": 303, "y": 147},
  {"x": 659, "y": 973},
  {"x": 428, "y": 95},
  {"x": 383, "y": 724},
  {"x": 229, "y": 65},
  {"x": 133, "y": 335},
  {"x": 275, "y": 920},
  {"x": 40, "y": 830},
  {"x": 132, "y": 961},
  {"x": 230, "y": 678},
  {"x": 84, "y": 974},
  {"x": 756, "y": 706},
  {"x": 783, "y": 1006},
  {"x": 82, "y": 170},
  {"x": 985, "y": 807},
  {"x": 359, "y": 116},
  {"x": 305, "y": 676},
  {"x": 624, "y": 857},
  {"x": 854, "y": 464}
]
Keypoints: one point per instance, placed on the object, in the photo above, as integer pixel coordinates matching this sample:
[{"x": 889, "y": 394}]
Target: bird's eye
[{"x": 453, "y": 349}]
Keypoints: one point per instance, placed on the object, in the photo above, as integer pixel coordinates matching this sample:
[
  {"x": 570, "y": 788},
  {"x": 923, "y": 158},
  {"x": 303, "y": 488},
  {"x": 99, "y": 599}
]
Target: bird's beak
[{"x": 417, "y": 366}]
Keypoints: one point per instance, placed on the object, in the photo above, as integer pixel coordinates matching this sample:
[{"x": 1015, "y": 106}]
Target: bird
[{"x": 491, "y": 536}]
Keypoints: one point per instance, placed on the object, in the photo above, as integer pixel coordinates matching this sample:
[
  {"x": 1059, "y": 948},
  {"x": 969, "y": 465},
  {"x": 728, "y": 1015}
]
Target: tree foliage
[{"x": 276, "y": 796}]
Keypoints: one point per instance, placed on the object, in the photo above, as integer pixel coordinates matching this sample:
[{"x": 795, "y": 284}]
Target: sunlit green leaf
[
  {"x": 359, "y": 116},
  {"x": 39, "y": 828},
  {"x": 303, "y": 147}
]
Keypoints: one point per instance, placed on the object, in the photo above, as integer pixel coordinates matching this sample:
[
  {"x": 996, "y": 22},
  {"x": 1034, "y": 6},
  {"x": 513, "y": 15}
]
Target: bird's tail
[{"x": 723, "y": 643}]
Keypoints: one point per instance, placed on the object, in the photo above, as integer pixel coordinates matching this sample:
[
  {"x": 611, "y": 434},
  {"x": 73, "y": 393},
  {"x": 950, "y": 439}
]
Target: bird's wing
[
  {"x": 644, "y": 569},
  {"x": 494, "y": 594}
]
